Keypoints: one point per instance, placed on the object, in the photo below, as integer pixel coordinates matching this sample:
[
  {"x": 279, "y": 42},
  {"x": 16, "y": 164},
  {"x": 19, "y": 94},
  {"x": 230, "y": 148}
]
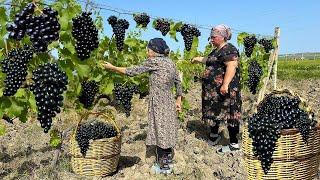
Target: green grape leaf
[
  {"x": 55, "y": 139},
  {"x": 2, "y": 129}
]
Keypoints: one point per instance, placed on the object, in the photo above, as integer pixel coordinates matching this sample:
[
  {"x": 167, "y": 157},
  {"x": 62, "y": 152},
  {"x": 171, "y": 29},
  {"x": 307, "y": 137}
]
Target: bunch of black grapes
[
  {"x": 89, "y": 89},
  {"x": 15, "y": 66},
  {"x": 142, "y": 19},
  {"x": 255, "y": 73},
  {"x": 92, "y": 131},
  {"x": 249, "y": 43},
  {"x": 86, "y": 35},
  {"x": 267, "y": 44},
  {"x": 188, "y": 32},
  {"x": 123, "y": 96},
  {"x": 18, "y": 28},
  {"x": 119, "y": 27},
  {"x": 163, "y": 26},
  {"x": 42, "y": 29},
  {"x": 49, "y": 84},
  {"x": 274, "y": 114}
]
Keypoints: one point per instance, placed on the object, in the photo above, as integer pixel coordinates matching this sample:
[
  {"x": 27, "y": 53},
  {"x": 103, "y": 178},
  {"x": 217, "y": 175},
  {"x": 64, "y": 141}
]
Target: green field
[{"x": 298, "y": 70}]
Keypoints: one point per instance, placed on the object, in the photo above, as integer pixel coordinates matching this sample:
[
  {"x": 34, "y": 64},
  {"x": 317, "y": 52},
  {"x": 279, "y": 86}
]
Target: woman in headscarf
[
  {"x": 221, "y": 98},
  {"x": 163, "y": 122}
]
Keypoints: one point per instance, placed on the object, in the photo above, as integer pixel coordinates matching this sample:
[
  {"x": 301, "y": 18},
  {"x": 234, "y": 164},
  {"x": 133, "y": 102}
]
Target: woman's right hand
[
  {"x": 107, "y": 65},
  {"x": 198, "y": 59}
]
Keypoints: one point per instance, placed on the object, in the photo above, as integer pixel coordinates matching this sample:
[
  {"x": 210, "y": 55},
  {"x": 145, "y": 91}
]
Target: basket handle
[
  {"x": 83, "y": 115},
  {"x": 87, "y": 113},
  {"x": 111, "y": 120},
  {"x": 289, "y": 92}
]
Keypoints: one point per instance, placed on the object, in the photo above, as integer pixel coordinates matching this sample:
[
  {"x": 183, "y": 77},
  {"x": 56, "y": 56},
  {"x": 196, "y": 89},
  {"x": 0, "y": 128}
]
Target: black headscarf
[{"x": 158, "y": 45}]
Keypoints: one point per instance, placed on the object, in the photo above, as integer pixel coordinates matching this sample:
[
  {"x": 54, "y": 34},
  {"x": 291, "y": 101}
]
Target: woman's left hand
[
  {"x": 178, "y": 105},
  {"x": 224, "y": 89}
]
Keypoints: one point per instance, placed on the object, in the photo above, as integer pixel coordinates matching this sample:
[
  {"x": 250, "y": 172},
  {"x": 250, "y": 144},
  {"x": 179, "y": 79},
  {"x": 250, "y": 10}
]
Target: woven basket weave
[
  {"x": 293, "y": 159},
  {"x": 103, "y": 155}
]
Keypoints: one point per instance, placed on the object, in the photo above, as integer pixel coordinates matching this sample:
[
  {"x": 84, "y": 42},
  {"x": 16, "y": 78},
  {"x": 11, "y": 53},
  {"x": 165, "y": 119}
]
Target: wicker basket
[
  {"x": 293, "y": 159},
  {"x": 289, "y": 146},
  {"x": 297, "y": 169},
  {"x": 103, "y": 155}
]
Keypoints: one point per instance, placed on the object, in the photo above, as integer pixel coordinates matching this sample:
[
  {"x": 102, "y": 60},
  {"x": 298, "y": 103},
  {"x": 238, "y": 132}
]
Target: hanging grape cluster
[
  {"x": 86, "y": 35},
  {"x": 249, "y": 43},
  {"x": 15, "y": 66},
  {"x": 255, "y": 73},
  {"x": 163, "y": 26},
  {"x": 18, "y": 28},
  {"x": 142, "y": 19},
  {"x": 119, "y": 27},
  {"x": 188, "y": 32},
  {"x": 92, "y": 131},
  {"x": 274, "y": 114},
  {"x": 89, "y": 90},
  {"x": 267, "y": 44},
  {"x": 42, "y": 29},
  {"x": 123, "y": 95},
  {"x": 49, "y": 84}
]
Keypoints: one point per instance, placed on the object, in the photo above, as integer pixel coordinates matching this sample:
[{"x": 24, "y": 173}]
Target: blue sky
[{"x": 298, "y": 20}]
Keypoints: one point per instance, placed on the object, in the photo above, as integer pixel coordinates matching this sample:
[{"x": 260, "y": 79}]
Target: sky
[{"x": 299, "y": 20}]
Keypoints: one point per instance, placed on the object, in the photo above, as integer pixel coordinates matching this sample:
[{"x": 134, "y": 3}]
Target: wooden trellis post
[
  {"x": 272, "y": 66},
  {"x": 276, "y": 51}
]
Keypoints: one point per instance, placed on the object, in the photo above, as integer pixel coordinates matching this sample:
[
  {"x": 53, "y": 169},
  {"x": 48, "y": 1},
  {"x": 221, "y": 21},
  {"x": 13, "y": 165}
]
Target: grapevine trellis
[
  {"x": 272, "y": 66},
  {"x": 70, "y": 45}
]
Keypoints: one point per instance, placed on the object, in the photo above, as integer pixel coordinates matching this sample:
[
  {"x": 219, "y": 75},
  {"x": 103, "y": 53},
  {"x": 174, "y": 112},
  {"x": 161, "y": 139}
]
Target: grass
[{"x": 298, "y": 70}]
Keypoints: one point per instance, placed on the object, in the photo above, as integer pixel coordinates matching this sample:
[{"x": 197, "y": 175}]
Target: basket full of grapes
[
  {"x": 281, "y": 140},
  {"x": 96, "y": 145}
]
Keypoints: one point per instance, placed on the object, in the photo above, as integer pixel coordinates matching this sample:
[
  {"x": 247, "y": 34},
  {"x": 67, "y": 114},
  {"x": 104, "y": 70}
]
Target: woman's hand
[
  {"x": 108, "y": 65},
  {"x": 178, "y": 104},
  {"x": 197, "y": 59},
  {"x": 224, "y": 89}
]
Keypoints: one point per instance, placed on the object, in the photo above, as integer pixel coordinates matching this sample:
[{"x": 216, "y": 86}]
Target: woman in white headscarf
[{"x": 221, "y": 98}]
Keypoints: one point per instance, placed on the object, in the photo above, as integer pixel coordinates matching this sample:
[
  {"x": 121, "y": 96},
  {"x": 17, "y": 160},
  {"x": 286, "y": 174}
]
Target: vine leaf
[
  {"x": 107, "y": 88},
  {"x": 32, "y": 103},
  {"x": 240, "y": 38},
  {"x": 20, "y": 93},
  {"x": 55, "y": 139},
  {"x": 64, "y": 20},
  {"x": 70, "y": 47},
  {"x": 83, "y": 70},
  {"x": 15, "y": 109},
  {"x": 1, "y": 92},
  {"x": 2, "y": 129},
  {"x": 173, "y": 30}
]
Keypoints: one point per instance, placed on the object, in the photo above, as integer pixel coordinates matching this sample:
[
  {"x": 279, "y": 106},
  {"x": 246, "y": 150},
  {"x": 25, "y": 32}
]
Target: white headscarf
[{"x": 221, "y": 30}]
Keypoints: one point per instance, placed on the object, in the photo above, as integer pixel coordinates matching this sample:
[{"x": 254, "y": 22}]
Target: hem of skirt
[
  {"x": 229, "y": 122},
  {"x": 233, "y": 122},
  {"x": 163, "y": 147}
]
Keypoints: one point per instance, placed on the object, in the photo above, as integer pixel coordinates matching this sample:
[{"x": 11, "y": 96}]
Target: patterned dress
[
  {"x": 215, "y": 106},
  {"x": 163, "y": 121}
]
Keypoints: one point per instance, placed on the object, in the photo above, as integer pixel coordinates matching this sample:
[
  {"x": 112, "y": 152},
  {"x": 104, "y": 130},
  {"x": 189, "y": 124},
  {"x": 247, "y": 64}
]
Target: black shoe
[{"x": 214, "y": 139}]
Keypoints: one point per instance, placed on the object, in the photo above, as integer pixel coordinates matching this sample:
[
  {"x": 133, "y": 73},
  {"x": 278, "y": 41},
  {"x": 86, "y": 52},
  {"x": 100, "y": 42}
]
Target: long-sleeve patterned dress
[
  {"x": 163, "y": 122},
  {"x": 217, "y": 107}
]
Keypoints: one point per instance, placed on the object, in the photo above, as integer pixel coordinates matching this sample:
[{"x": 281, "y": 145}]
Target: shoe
[
  {"x": 228, "y": 148},
  {"x": 170, "y": 160},
  {"x": 214, "y": 139},
  {"x": 156, "y": 168},
  {"x": 166, "y": 164}
]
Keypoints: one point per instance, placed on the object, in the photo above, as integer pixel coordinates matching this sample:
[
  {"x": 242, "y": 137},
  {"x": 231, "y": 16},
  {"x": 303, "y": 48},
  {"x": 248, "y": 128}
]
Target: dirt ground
[{"x": 26, "y": 154}]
